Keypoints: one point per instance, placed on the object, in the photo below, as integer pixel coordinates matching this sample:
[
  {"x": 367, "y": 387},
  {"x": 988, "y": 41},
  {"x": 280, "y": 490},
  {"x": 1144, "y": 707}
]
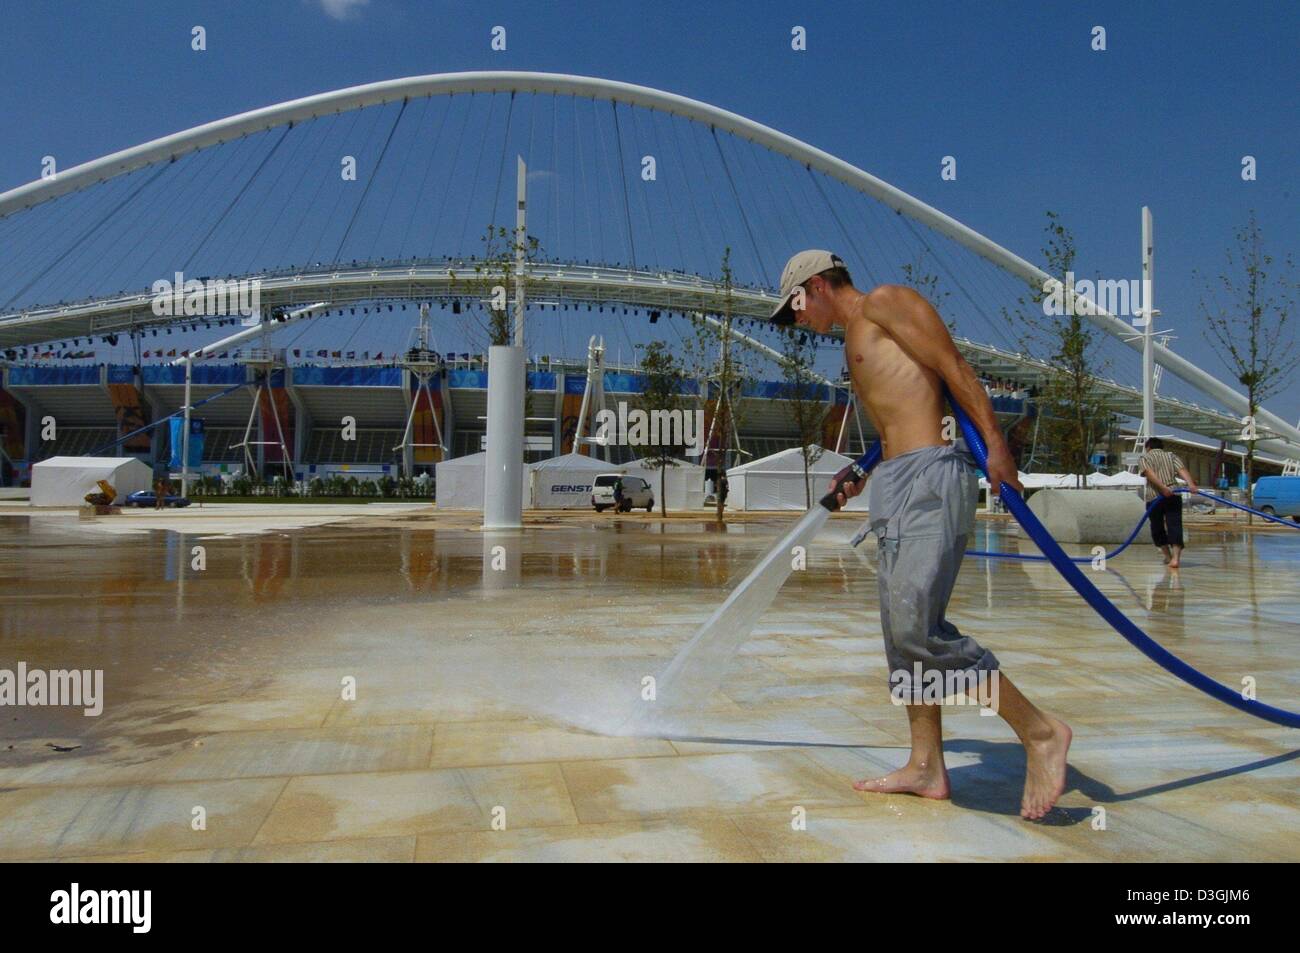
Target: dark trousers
[{"x": 1167, "y": 521}]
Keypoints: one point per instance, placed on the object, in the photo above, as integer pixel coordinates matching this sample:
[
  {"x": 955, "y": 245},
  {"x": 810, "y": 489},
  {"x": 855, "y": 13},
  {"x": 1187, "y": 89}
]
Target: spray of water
[{"x": 698, "y": 669}]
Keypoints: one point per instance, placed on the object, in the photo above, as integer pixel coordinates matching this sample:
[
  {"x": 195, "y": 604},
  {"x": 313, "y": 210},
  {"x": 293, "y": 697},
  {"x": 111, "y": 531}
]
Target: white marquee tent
[
  {"x": 777, "y": 482},
  {"x": 1068, "y": 481},
  {"x": 563, "y": 482},
  {"x": 65, "y": 481},
  {"x": 460, "y": 482},
  {"x": 1040, "y": 481},
  {"x": 1123, "y": 480},
  {"x": 683, "y": 483}
]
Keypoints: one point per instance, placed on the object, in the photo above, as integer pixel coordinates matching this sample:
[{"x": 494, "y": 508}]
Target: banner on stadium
[{"x": 177, "y": 425}]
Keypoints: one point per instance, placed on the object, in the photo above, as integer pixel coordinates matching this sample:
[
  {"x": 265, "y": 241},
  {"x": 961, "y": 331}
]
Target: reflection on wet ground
[{"x": 373, "y": 689}]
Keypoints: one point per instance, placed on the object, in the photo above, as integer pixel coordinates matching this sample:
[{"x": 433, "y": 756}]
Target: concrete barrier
[{"x": 1087, "y": 516}]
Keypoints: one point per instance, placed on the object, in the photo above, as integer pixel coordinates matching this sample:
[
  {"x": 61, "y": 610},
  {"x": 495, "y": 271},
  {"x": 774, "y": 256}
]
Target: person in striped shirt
[{"x": 1161, "y": 468}]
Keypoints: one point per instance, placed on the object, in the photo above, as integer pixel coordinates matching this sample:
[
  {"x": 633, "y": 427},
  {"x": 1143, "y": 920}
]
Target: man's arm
[
  {"x": 1154, "y": 480},
  {"x": 916, "y": 326},
  {"x": 1191, "y": 484}
]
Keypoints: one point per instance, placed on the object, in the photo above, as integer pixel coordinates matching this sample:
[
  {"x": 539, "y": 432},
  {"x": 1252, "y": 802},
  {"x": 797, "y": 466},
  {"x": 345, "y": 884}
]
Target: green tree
[
  {"x": 492, "y": 280},
  {"x": 802, "y": 392},
  {"x": 664, "y": 378},
  {"x": 1056, "y": 329},
  {"x": 1247, "y": 314},
  {"x": 716, "y": 362}
]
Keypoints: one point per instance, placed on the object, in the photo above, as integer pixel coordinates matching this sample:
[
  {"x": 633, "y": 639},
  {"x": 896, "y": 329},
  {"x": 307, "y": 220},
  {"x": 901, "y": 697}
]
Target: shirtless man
[{"x": 922, "y": 499}]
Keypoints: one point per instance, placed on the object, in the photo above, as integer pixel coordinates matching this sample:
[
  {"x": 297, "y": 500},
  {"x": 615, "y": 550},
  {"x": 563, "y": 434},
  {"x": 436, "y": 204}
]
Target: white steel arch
[{"x": 179, "y": 144}]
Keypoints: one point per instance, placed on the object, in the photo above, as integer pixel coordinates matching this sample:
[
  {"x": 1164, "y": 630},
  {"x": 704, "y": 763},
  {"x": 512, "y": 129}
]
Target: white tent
[
  {"x": 777, "y": 482},
  {"x": 1069, "y": 481},
  {"x": 1041, "y": 481},
  {"x": 460, "y": 482},
  {"x": 683, "y": 484},
  {"x": 1123, "y": 480},
  {"x": 563, "y": 482},
  {"x": 65, "y": 481}
]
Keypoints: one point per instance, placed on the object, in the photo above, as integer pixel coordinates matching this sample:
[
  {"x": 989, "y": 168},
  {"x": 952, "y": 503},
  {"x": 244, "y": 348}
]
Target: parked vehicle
[
  {"x": 147, "y": 498},
  {"x": 636, "y": 493},
  {"x": 1278, "y": 496}
]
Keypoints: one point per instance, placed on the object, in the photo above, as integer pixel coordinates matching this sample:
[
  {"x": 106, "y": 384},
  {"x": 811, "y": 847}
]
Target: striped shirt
[{"x": 1164, "y": 465}]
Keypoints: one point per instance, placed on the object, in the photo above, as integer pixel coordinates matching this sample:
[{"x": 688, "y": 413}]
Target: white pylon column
[
  {"x": 503, "y": 474},
  {"x": 598, "y": 392},
  {"x": 521, "y": 237},
  {"x": 1149, "y": 315},
  {"x": 185, "y": 434},
  {"x": 579, "y": 431}
]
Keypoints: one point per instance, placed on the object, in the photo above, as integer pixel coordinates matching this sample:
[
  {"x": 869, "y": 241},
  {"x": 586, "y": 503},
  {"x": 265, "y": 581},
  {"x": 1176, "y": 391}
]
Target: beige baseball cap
[{"x": 799, "y": 269}]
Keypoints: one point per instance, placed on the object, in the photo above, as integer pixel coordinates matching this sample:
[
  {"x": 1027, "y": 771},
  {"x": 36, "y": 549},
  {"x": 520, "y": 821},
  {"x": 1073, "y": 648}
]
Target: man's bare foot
[
  {"x": 1045, "y": 770},
  {"x": 1167, "y": 557},
  {"x": 921, "y": 780}
]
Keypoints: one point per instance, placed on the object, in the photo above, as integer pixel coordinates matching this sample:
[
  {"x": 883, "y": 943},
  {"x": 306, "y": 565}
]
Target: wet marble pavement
[{"x": 401, "y": 686}]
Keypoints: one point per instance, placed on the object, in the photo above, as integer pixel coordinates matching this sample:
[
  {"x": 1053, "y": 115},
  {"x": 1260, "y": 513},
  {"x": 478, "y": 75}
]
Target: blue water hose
[
  {"x": 992, "y": 554},
  {"x": 1103, "y": 606},
  {"x": 1242, "y": 506}
]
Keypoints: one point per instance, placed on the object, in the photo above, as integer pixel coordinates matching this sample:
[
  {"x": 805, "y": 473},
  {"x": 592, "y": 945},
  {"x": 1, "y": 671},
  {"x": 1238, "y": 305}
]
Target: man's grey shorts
[{"x": 921, "y": 505}]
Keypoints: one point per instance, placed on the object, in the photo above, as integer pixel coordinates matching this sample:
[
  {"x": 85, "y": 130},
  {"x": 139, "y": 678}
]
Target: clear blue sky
[{"x": 1035, "y": 118}]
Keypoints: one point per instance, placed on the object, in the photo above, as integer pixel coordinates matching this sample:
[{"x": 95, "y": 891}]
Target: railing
[{"x": 600, "y": 285}]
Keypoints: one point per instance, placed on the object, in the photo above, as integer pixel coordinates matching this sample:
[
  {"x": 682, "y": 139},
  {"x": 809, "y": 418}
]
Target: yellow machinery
[{"x": 105, "y": 497}]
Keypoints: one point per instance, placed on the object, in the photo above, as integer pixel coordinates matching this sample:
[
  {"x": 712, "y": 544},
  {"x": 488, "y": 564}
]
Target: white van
[{"x": 636, "y": 493}]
